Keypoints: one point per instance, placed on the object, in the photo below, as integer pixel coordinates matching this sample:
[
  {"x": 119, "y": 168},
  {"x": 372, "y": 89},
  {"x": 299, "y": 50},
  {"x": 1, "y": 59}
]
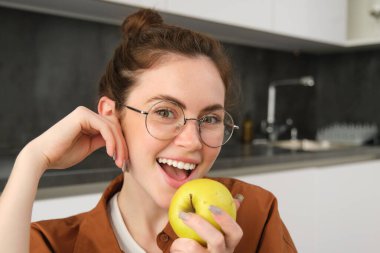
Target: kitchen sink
[{"x": 308, "y": 145}]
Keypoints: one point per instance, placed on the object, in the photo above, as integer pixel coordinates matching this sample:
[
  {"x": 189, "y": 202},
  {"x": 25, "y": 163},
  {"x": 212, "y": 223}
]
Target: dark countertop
[
  {"x": 253, "y": 159},
  {"x": 234, "y": 160}
]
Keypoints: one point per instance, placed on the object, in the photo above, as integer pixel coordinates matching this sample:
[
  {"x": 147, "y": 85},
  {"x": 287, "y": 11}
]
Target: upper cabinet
[
  {"x": 320, "y": 20},
  {"x": 293, "y": 25},
  {"x": 363, "y": 21},
  {"x": 314, "y": 20},
  {"x": 252, "y": 14}
]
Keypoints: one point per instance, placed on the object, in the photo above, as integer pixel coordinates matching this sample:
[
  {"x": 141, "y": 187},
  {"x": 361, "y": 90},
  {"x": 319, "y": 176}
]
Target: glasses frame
[{"x": 199, "y": 121}]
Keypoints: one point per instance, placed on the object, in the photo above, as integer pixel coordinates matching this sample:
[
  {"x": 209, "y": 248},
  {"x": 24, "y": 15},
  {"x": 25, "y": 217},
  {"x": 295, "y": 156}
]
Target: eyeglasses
[{"x": 166, "y": 119}]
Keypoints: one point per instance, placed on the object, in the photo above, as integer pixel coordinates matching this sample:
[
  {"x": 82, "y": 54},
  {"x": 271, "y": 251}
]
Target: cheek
[
  {"x": 135, "y": 134},
  {"x": 139, "y": 142},
  {"x": 133, "y": 125},
  {"x": 211, "y": 154}
]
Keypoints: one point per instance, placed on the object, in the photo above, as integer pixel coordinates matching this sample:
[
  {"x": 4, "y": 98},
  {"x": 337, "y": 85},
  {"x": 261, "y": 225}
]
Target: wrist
[{"x": 32, "y": 160}]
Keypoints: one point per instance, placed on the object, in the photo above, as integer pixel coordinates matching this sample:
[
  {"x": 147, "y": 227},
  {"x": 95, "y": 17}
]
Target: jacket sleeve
[{"x": 275, "y": 237}]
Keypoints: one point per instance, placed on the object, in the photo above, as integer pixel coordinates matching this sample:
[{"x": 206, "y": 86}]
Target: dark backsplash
[{"x": 49, "y": 65}]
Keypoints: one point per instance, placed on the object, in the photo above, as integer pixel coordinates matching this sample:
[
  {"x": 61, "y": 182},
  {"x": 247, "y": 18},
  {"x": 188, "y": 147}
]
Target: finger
[
  {"x": 110, "y": 129},
  {"x": 213, "y": 237},
  {"x": 120, "y": 153},
  {"x": 111, "y": 132},
  {"x": 122, "y": 150},
  {"x": 95, "y": 124},
  {"x": 70, "y": 140},
  {"x": 231, "y": 229},
  {"x": 96, "y": 143},
  {"x": 238, "y": 199},
  {"x": 182, "y": 245}
]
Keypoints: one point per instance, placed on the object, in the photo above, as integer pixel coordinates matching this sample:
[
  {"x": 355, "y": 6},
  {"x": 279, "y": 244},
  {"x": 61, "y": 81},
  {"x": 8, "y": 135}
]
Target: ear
[{"x": 106, "y": 106}]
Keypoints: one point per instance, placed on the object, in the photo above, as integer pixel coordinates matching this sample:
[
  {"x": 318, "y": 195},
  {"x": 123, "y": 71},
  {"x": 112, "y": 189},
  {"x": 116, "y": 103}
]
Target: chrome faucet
[{"x": 269, "y": 127}]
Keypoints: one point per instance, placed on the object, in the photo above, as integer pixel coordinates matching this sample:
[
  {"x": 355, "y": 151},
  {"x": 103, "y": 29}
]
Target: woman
[{"x": 161, "y": 116}]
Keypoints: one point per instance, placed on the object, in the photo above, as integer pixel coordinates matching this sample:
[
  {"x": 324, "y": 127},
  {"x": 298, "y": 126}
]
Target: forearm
[
  {"x": 63, "y": 145},
  {"x": 16, "y": 202}
]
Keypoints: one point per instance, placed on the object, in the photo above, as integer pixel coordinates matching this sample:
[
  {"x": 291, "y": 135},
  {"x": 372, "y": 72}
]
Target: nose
[{"x": 189, "y": 136}]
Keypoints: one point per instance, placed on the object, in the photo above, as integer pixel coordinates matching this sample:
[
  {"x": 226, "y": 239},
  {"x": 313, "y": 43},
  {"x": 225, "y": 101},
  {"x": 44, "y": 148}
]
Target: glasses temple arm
[
  {"x": 136, "y": 110},
  {"x": 234, "y": 126}
]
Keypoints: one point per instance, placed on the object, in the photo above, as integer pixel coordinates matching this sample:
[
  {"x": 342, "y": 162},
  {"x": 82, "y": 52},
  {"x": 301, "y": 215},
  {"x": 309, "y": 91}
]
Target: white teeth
[{"x": 177, "y": 164}]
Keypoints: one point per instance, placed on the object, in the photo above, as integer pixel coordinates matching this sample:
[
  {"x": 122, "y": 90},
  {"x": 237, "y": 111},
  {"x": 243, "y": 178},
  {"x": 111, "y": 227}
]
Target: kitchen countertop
[
  {"x": 234, "y": 160},
  {"x": 254, "y": 159}
]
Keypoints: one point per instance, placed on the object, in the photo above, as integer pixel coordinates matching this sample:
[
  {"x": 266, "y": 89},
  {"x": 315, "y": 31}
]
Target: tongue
[{"x": 174, "y": 173}]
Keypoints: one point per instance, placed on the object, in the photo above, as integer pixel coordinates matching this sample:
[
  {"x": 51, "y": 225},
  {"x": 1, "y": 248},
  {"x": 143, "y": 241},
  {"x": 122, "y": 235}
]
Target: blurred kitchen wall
[{"x": 49, "y": 65}]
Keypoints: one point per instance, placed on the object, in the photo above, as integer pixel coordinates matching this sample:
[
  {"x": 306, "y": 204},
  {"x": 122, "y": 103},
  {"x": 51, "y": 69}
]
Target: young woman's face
[{"x": 196, "y": 84}]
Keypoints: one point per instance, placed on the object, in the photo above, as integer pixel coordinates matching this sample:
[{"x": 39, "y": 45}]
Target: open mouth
[{"x": 177, "y": 170}]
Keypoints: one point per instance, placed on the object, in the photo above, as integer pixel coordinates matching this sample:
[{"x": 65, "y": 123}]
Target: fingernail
[
  {"x": 183, "y": 216},
  {"x": 124, "y": 168},
  {"x": 114, "y": 157},
  {"x": 239, "y": 197},
  {"x": 215, "y": 210}
]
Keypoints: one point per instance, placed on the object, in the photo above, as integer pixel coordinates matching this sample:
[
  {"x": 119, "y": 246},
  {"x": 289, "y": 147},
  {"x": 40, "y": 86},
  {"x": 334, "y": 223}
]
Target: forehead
[{"x": 195, "y": 81}]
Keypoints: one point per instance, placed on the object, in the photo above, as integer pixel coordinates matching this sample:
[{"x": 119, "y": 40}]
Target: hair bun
[{"x": 137, "y": 22}]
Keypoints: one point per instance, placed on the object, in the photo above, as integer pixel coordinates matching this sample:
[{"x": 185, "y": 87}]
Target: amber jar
[{"x": 247, "y": 133}]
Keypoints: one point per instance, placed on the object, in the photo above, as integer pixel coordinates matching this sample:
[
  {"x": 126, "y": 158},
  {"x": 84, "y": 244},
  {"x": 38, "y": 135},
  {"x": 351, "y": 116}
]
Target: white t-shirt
[{"x": 124, "y": 238}]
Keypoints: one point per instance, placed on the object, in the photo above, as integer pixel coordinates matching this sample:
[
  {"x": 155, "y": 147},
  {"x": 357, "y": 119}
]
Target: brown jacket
[{"x": 258, "y": 216}]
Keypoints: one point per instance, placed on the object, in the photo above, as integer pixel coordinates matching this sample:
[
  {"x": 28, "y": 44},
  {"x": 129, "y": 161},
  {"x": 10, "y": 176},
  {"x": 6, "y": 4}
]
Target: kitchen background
[{"x": 49, "y": 65}]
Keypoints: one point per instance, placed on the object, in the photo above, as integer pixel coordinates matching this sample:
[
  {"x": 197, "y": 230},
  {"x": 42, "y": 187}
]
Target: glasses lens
[
  {"x": 165, "y": 120},
  {"x": 216, "y": 128}
]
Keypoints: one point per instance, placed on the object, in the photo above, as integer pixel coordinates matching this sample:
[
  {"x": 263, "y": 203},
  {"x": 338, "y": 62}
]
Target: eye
[
  {"x": 165, "y": 113},
  {"x": 211, "y": 119}
]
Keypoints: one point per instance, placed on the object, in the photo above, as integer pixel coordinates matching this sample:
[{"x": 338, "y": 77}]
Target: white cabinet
[
  {"x": 361, "y": 24},
  {"x": 296, "y": 193},
  {"x": 329, "y": 209},
  {"x": 294, "y": 25},
  {"x": 254, "y": 14},
  {"x": 349, "y": 208},
  {"x": 321, "y": 20},
  {"x": 315, "y": 20},
  {"x": 64, "y": 201},
  {"x": 55, "y": 208}
]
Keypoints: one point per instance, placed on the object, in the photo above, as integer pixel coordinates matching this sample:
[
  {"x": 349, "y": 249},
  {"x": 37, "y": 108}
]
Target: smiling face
[{"x": 159, "y": 167}]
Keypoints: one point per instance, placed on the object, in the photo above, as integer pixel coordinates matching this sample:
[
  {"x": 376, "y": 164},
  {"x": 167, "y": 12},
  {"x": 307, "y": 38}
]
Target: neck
[{"x": 143, "y": 217}]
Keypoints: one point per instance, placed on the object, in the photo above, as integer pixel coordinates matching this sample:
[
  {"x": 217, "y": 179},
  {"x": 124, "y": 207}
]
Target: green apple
[{"x": 196, "y": 196}]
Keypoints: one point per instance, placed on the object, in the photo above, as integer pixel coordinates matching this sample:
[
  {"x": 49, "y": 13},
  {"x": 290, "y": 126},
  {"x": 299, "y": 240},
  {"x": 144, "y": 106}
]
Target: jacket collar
[{"x": 96, "y": 233}]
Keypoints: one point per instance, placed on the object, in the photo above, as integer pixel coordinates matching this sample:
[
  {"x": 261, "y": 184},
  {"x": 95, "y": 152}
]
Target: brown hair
[{"x": 146, "y": 39}]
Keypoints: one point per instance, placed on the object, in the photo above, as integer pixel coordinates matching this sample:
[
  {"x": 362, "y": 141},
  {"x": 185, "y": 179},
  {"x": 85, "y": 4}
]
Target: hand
[
  {"x": 78, "y": 135},
  {"x": 217, "y": 242}
]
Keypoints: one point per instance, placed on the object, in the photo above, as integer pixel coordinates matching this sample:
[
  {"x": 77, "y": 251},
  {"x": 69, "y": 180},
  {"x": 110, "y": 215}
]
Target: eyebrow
[{"x": 183, "y": 106}]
